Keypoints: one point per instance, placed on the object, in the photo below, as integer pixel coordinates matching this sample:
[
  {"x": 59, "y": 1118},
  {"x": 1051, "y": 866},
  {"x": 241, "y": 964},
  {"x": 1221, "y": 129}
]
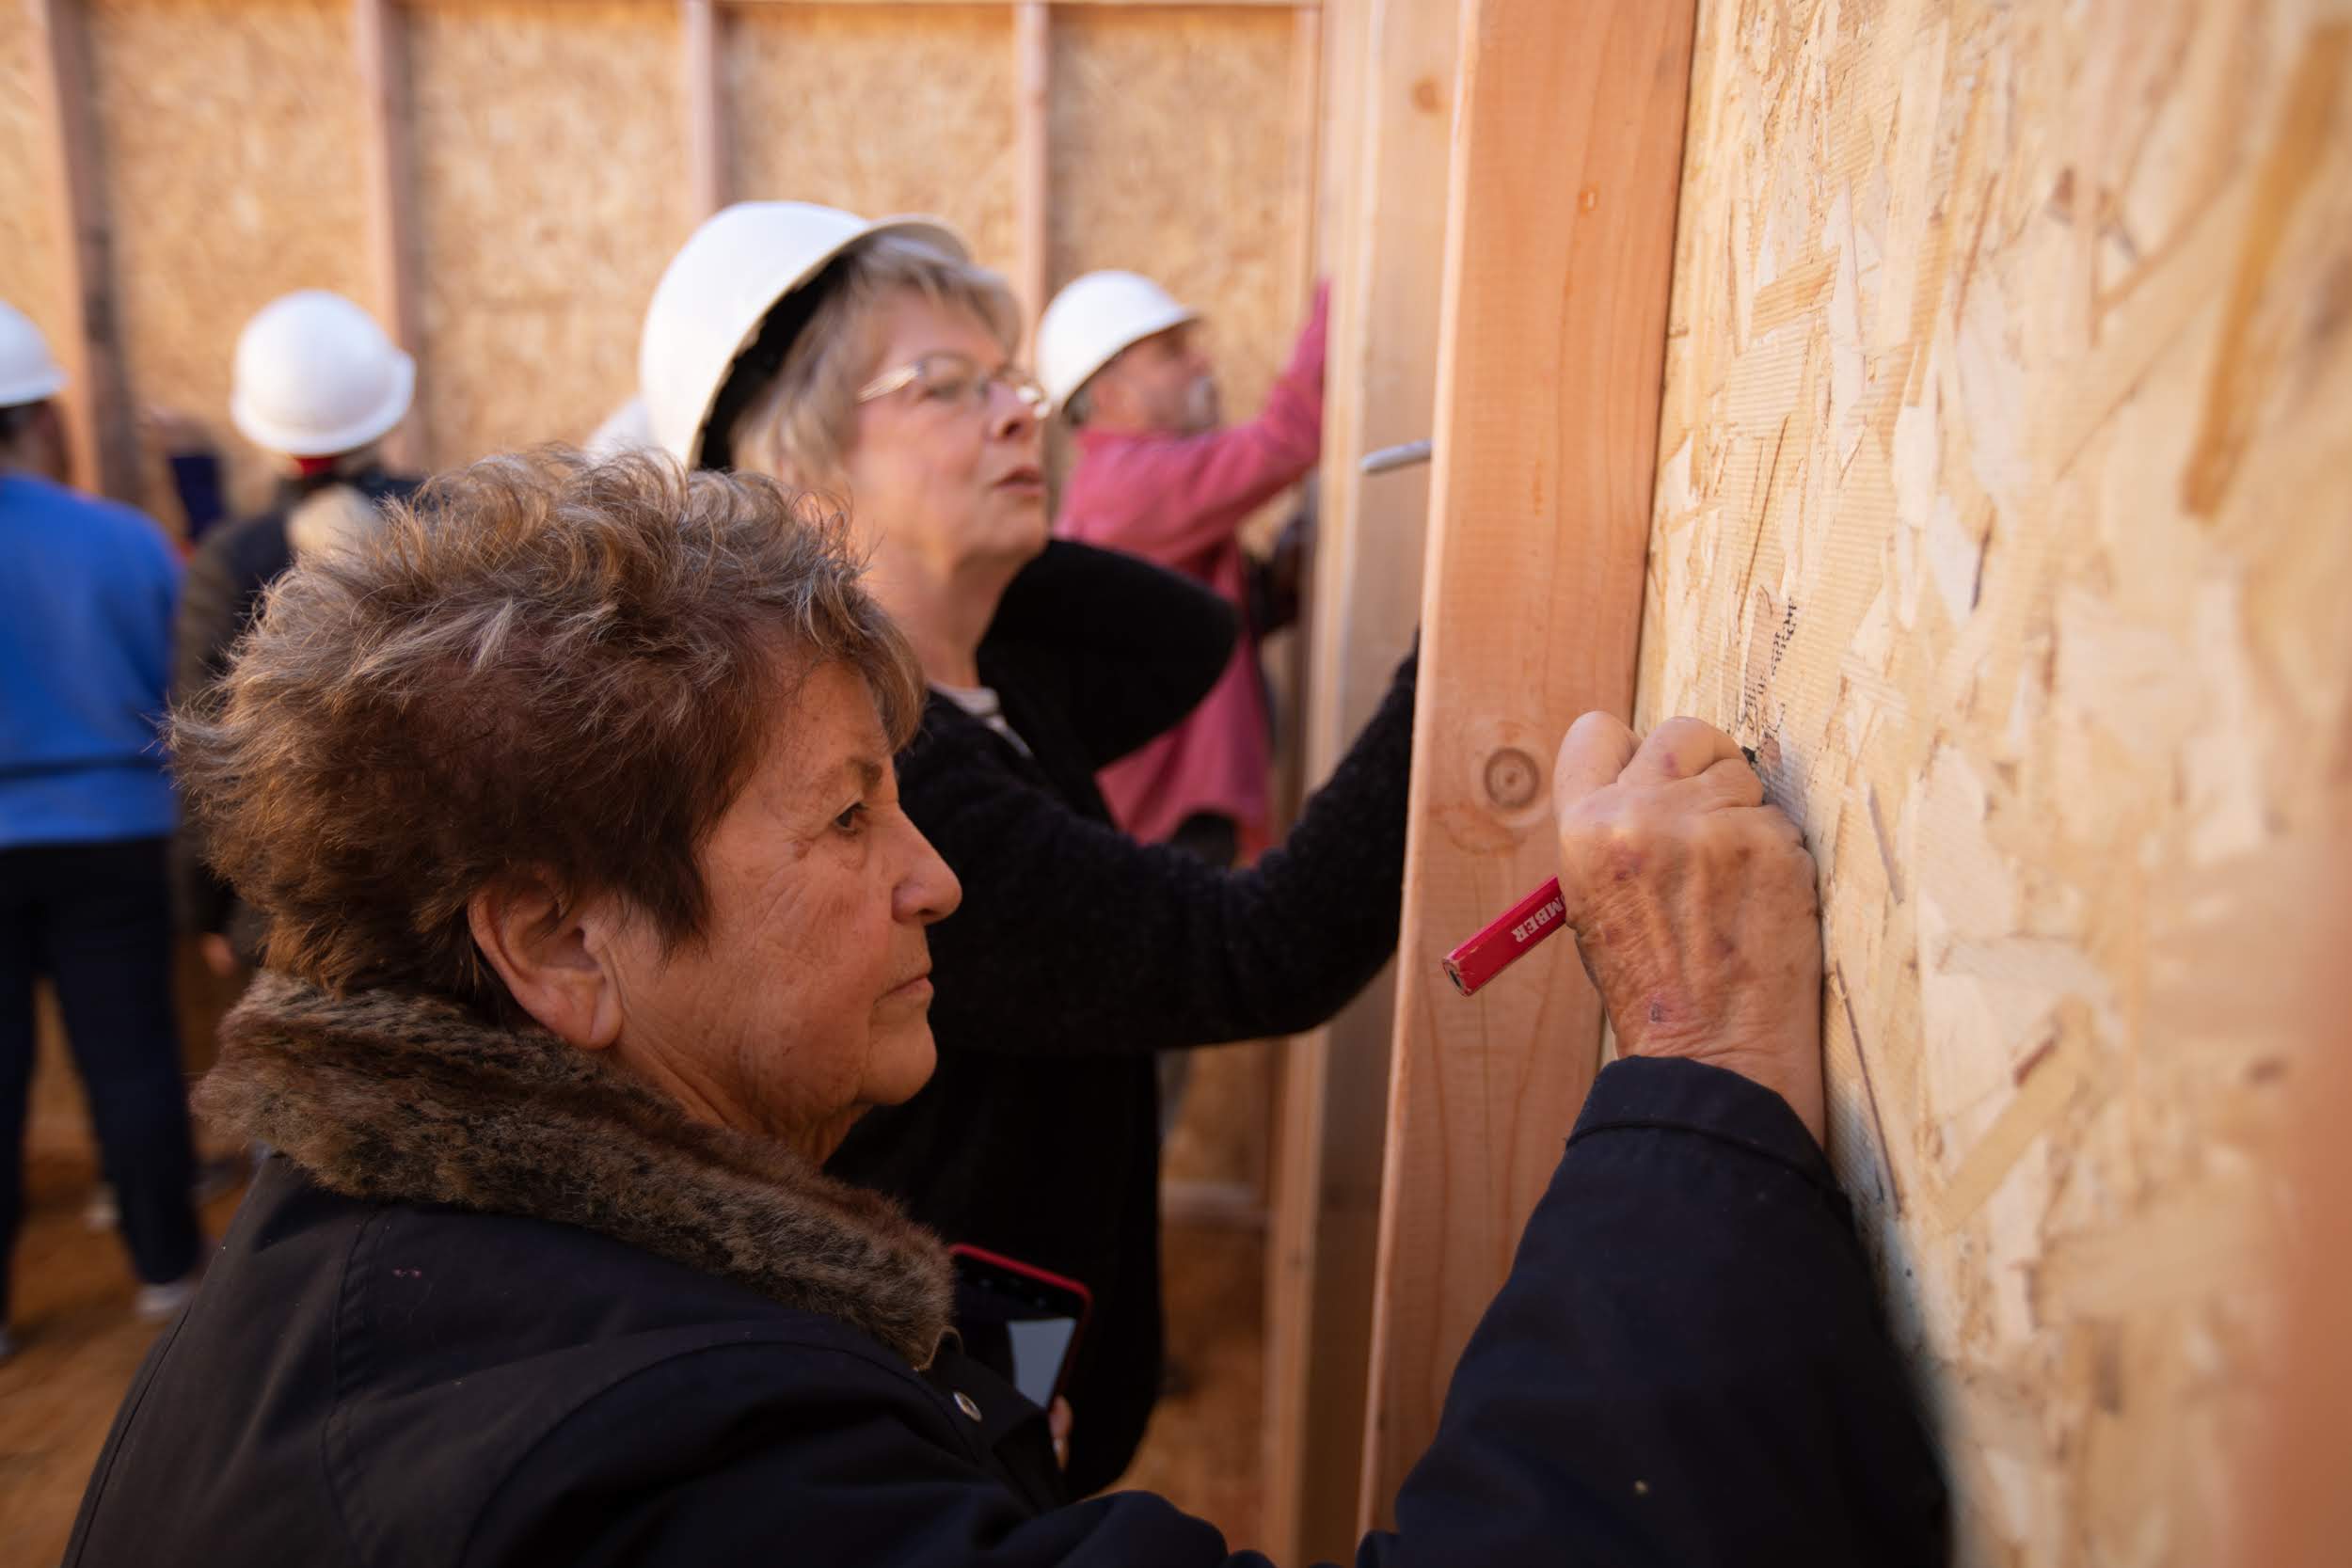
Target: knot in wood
[{"x": 1512, "y": 777}]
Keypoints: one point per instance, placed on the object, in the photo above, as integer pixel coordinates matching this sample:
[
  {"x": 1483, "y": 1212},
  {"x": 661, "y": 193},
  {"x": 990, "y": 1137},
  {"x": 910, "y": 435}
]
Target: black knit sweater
[{"x": 1078, "y": 952}]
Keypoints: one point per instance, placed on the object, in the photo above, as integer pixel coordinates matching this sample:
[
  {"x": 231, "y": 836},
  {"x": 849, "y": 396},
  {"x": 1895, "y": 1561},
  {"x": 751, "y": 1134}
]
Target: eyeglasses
[{"x": 956, "y": 378}]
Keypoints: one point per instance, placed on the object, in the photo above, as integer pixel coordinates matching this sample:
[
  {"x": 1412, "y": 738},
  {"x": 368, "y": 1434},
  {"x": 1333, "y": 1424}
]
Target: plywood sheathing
[
  {"x": 552, "y": 186},
  {"x": 2004, "y": 507},
  {"x": 1171, "y": 135},
  {"x": 231, "y": 136},
  {"x": 878, "y": 111}
]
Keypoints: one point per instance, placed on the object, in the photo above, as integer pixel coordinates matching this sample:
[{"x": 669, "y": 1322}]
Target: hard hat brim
[
  {"x": 270, "y": 435},
  {"x": 36, "y": 387},
  {"x": 914, "y": 225}
]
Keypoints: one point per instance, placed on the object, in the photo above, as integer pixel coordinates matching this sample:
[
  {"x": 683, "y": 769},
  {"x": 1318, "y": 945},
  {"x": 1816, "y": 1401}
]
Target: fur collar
[{"x": 400, "y": 1097}]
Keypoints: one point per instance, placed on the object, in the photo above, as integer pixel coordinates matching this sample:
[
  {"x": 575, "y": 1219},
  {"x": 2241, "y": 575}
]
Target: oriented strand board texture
[
  {"x": 29, "y": 257},
  {"x": 878, "y": 109},
  {"x": 1171, "y": 137},
  {"x": 552, "y": 190},
  {"x": 229, "y": 158},
  {"x": 2006, "y": 504}
]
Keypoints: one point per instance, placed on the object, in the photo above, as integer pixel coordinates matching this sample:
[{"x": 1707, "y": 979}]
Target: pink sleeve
[{"x": 1170, "y": 499}]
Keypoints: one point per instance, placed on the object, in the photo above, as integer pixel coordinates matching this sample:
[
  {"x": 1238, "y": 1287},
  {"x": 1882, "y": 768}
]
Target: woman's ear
[{"x": 560, "y": 960}]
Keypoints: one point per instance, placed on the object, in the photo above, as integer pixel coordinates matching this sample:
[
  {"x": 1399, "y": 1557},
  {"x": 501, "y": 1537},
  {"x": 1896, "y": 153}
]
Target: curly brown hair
[{"x": 542, "y": 665}]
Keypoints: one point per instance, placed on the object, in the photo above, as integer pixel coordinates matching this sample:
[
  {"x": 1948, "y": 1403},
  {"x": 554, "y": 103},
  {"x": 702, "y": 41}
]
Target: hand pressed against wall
[{"x": 1693, "y": 902}]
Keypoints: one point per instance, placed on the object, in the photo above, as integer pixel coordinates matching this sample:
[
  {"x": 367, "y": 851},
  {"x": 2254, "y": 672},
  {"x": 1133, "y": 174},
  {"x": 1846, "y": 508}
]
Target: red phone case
[
  {"x": 1048, "y": 1276},
  {"x": 1044, "y": 1277}
]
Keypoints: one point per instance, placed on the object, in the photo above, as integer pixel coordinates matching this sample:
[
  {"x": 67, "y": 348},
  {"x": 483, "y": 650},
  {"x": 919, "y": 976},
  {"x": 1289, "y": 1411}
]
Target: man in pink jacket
[{"x": 1159, "y": 476}]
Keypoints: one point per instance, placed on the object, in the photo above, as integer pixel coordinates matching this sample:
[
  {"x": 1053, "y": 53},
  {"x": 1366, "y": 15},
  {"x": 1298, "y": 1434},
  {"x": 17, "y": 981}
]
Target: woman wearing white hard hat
[
  {"x": 869, "y": 361},
  {"x": 318, "y": 386}
]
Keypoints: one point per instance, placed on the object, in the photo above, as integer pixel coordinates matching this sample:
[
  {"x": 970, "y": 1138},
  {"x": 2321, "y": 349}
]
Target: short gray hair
[{"x": 797, "y": 425}]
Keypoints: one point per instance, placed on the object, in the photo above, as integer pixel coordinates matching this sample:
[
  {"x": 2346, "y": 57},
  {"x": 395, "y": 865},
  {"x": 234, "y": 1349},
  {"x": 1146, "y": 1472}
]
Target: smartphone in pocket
[{"x": 1031, "y": 1314}]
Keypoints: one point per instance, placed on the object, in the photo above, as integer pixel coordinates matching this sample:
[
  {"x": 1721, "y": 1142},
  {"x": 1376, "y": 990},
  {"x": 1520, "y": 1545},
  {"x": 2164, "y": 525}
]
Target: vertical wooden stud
[
  {"x": 705, "y": 117},
  {"x": 1032, "y": 43},
  {"x": 382, "y": 60},
  {"x": 1386, "y": 256},
  {"x": 1567, "y": 158},
  {"x": 101, "y": 437}
]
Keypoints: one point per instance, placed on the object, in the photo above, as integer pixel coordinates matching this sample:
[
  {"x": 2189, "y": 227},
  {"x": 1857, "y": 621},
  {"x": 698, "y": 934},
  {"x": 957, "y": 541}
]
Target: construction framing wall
[
  {"x": 500, "y": 180},
  {"x": 2001, "y": 503},
  {"x": 1992, "y": 487},
  {"x": 2004, "y": 509}
]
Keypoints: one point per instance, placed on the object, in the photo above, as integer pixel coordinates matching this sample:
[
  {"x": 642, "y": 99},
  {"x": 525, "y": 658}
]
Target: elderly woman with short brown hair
[{"x": 593, "y": 921}]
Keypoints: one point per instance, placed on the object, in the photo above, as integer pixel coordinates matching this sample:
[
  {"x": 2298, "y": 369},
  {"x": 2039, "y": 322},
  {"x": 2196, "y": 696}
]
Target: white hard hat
[
  {"x": 719, "y": 291},
  {"x": 28, "y": 372},
  {"x": 1092, "y": 319},
  {"x": 316, "y": 377},
  {"x": 626, "y": 429}
]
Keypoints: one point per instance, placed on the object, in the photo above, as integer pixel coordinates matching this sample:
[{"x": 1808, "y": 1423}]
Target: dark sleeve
[
  {"x": 1074, "y": 938},
  {"x": 1686, "y": 1367},
  {"x": 195, "y": 475},
  {"x": 705, "y": 1466},
  {"x": 1687, "y": 1363},
  {"x": 1132, "y": 648},
  {"x": 211, "y": 603}
]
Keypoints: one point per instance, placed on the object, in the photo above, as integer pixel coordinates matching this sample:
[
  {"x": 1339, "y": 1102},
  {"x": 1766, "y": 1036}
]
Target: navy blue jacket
[{"x": 1686, "y": 1365}]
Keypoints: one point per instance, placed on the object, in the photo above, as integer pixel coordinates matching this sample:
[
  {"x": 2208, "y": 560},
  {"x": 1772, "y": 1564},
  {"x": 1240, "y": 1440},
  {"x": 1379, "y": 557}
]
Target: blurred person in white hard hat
[
  {"x": 628, "y": 428},
  {"x": 86, "y": 593},
  {"x": 871, "y": 362},
  {"x": 1160, "y": 474},
  {"x": 317, "y": 387}
]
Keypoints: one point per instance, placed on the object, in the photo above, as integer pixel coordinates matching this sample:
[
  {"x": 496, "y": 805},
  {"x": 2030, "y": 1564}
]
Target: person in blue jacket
[
  {"x": 594, "y": 919},
  {"x": 86, "y": 591}
]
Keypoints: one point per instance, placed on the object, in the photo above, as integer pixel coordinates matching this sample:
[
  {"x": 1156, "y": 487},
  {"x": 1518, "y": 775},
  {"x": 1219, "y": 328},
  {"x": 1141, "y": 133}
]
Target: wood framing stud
[
  {"x": 382, "y": 62},
  {"x": 1567, "y": 157},
  {"x": 706, "y": 119},
  {"x": 101, "y": 437},
  {"x": 1386, "y": 168},
  {"x": 1033, "y": 61}
]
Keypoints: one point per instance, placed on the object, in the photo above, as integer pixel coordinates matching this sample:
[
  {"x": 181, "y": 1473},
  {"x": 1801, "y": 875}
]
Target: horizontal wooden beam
[
  {"x": 1153, "y": 4},
  {"x": 1212, "y": 1205}
]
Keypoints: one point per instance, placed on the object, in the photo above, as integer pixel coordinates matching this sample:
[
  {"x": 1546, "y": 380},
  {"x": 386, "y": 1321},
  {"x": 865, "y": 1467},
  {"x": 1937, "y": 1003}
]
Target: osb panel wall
[
  {"x": 1170, "y": 154},
  {"x": 29, "y": 277},
  {"x": 879, "y": 110},
  {"x": 551, "y": 191},
  {"x": 229, "y": 135},
  {"x": 2006, "y": 505}
]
